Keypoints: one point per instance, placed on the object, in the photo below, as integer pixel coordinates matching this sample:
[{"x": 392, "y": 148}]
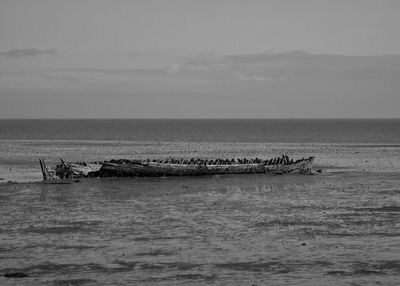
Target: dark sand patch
[
  {"x": 149, "y": 266},
  {"x": 383, "y": 209},
  {"x": 15, "y": 275},
  {"x": 300, "y": 223},
  {"x": 180, "y": 266},
  {"x": 126, "y": 265},
  {"x": 62, "y": 228},
  {"x": 55, "y": 230},
  {"x": 183, "y": 266},
  {"x": 53, "y": 268},
  {"x": 359, "y": 268},
  {"x": 152, "y": 238},
  {"x": 73, "y": 282},
  {"x": 275, "y": 267},
  {"x": 155, "y": 253},
  {"x": 190, "y": 278},
  {"x": 193, "y": 276},
  {"x": 77, "y": 247}
]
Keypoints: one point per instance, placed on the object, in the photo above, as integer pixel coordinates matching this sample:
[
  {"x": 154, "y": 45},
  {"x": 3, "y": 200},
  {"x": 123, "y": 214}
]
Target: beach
[
  {"x": 184, "y": 143},
  {"x": 19, "y": 158},
  {"x": 339, "y": 227}
]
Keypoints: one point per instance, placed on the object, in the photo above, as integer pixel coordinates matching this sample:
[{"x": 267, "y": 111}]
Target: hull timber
[
  {"x": 154, "y": 169},
  {"x": 147, "y": 168}
]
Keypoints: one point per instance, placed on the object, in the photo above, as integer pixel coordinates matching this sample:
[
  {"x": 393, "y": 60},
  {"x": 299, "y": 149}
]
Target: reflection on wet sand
[
  {"x": 263, "y": 187},
  {"x": 43, "y": 195}
]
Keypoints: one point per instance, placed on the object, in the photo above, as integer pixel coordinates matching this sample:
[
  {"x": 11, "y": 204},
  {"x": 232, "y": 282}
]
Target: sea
[
  {"x": 338, "y": 227},
  {"x": 206, "y": 130}
]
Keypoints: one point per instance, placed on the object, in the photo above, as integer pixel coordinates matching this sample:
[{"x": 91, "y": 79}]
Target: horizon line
[{"x": 213, "y": 118}]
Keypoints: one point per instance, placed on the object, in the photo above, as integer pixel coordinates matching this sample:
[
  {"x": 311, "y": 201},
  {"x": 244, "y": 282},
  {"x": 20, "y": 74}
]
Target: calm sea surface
[{"x": 162, "y": 130}]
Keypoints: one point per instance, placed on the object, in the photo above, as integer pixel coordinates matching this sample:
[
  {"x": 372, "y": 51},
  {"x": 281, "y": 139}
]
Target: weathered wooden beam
[{"x": 45, "y": 172}]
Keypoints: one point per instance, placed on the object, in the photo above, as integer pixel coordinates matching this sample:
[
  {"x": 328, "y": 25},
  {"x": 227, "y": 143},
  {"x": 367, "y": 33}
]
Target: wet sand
[
  {"x": 340, "y": 227},
  {"x": 19, "y": 158}
]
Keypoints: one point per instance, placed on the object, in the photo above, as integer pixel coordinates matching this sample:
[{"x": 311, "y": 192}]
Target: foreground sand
[{"x": 337, "y": 228}]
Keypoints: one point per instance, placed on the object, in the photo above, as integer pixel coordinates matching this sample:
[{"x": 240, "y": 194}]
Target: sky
[{"x": 199, "y": 59}]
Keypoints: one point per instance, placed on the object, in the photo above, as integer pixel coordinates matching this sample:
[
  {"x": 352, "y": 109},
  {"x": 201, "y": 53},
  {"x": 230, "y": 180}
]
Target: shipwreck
[{"x": 175, "y": 167}]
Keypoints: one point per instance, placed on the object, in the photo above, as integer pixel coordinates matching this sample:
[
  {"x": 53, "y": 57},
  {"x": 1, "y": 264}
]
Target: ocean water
[{"x": 162, "y": 130}]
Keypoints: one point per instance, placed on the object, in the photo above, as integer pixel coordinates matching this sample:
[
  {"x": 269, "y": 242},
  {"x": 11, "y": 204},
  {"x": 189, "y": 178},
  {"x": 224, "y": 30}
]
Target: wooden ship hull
[{"x": 147, "y": 168}]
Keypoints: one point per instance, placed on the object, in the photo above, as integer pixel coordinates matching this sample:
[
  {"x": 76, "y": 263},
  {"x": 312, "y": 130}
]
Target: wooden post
[
  {"x": 67, "y": 170},
  {"x": 45, "y": 173}
]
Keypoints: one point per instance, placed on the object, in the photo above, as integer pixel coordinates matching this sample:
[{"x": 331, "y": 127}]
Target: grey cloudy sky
[{"x": 209, "y": 58}]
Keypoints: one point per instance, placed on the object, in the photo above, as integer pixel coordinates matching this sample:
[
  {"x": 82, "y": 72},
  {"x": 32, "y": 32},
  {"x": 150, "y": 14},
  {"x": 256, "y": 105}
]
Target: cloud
[
  {"x": 294, "y": 65},
  {"x": 20, "y": 53},
  {"x": 292, "y": 84},
  {"x": 270, "y": 57}
]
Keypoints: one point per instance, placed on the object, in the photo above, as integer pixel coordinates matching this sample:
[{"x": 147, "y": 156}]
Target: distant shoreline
[{"x": 215, "y": 119}]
